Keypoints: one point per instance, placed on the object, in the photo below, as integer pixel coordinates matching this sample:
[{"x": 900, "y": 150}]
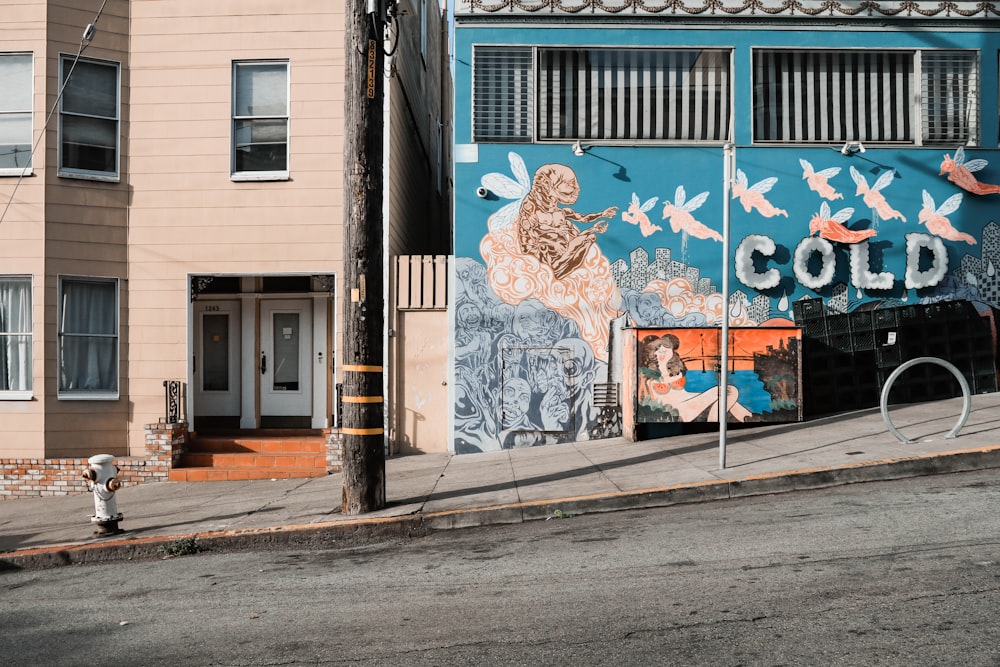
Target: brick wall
[
  {"x": 334, "y": 450},
  {"x": 29, "y": 478}
]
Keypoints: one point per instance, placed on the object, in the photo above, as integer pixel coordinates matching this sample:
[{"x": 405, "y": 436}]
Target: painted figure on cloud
[
  {"x": 752, "y": 197},
  {"x": 636, "y": 215},
  {"x": 873, "y": 196},
  {"x": 936, "y": 221},
  {"x": 833, "y": 227},
  {"x": 819, "y": 180},
  {"x": 681, "y": 220},
  {"x": 960, "y": 173},
  {"x": 545, "y": 224}
]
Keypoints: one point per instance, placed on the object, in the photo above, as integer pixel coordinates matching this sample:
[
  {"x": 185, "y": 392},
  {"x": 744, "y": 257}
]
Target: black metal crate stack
[
  {"x": 839, "y": 359},
  {"x": 847, "y": 357}
]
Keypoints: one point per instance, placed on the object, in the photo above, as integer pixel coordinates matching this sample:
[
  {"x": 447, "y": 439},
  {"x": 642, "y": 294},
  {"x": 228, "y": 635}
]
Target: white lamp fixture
[
  {"x": 852, "y": 147},
  {"x": 578, "y": 149}
]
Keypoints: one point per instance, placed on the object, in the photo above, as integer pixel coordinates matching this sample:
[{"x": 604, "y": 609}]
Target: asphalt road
[{"x": 891, "y": 573}]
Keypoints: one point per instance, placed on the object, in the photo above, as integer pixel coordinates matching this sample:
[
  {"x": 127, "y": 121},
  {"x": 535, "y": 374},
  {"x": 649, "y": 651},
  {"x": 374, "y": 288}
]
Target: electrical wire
[{"x": 85, "y": 40}]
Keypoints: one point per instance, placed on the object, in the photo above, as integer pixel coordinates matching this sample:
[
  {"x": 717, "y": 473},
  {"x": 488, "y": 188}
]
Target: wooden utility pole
[{"x": 363, "y": 421}]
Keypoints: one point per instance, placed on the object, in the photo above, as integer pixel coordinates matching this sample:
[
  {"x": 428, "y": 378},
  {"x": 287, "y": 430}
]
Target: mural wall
[{"x": 558, "y": 252}]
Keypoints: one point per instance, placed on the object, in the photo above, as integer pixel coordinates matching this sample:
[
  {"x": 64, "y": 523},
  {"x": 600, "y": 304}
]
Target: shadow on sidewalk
[{"x": 558, "y": 476}]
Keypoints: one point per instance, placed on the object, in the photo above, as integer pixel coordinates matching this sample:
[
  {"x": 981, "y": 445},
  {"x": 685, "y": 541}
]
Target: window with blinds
[
  {"x": 949, "y": 92},
  {"x": 869, "y": 96},
  {"x": 634, "y": 94},
  {"x": 601, "y": 94},
  {"x": 502, "y": 101}
]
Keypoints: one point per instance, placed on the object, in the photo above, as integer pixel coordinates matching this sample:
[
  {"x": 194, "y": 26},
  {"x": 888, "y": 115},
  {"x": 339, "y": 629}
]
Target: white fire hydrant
[{"x": 102, "y": 479}]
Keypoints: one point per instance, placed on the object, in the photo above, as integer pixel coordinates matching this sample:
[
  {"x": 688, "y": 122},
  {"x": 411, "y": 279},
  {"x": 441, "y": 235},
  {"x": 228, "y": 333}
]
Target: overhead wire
[{"x": 85, "y": 39}]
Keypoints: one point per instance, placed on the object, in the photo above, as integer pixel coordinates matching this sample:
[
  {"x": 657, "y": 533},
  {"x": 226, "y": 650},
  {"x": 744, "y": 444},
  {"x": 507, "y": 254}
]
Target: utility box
[{"x": 672, "y": 376}]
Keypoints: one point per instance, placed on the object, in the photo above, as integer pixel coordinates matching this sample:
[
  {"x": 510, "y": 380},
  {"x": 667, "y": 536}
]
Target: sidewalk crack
[{"x": 597, "y": 467}]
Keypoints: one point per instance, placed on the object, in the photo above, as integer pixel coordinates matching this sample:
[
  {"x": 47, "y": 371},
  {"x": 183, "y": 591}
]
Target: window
[
  {"x": 260, "y": 120},
  {"x": 602, "y": 94},
  {"x": 502, "y": 86},
  {"x": 870, "y": 96},
  {"x": 88, "y": 119},
  {"x": 88, "y": 337},
  {"x": 15, "y": 337},
  {"x": 15, "y": 113}
]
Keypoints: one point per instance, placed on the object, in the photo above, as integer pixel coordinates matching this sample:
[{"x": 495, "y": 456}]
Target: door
[
  {"x": 422, "y": 366},
  {"x": 216, "y": 365},
  {"x": 285, "y": 351}
]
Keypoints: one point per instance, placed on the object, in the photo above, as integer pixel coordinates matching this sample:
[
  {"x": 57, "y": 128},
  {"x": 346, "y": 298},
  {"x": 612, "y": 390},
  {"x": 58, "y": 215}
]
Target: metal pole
[{"x": 728, "y": 160}]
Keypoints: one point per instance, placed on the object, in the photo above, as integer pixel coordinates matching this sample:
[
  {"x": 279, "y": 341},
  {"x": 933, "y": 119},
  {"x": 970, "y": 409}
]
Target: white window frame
[
  {"x": 27, "y": 169},
  {"x": 912, "y": 109},
  {"x": 102, "y": 393},
  {"x": 263, "y": 175},
  {"x": 28, "y": 393},
  {"x": 642, "y": 105},
  {"x": 67, "y": 64}
]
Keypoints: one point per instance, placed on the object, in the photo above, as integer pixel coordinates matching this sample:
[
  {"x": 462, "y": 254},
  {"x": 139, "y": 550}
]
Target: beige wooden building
[{"x": 171, "y": 191}]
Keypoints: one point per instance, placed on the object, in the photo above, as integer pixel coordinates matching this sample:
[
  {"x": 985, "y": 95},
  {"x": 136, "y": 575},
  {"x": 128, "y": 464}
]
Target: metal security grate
[
  {"x": 502, "y": 85},
  {"x": 949, "y": 89}
]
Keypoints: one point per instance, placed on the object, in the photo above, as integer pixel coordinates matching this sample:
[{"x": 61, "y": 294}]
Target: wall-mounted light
[
  {"x": 578, "y": 149},
  {"x": 852, "y": 147},
  {"x": 482, "y": 192}
]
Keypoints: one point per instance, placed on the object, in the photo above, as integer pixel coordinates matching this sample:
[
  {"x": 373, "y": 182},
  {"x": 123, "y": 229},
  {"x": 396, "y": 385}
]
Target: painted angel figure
[
  {"x": 834, "y": 227},
  {"x": 508, "y": 188},
  {"x": 819, "y": 180},
  {"x": 636, "y": 215},
  {"x": 960, "y": 173},
  {"x": 873, "y": 196},
  {"x": 752, "y": 197},
  {"x": 679, "y": 214},
  {"x": 937, "y": 223}
]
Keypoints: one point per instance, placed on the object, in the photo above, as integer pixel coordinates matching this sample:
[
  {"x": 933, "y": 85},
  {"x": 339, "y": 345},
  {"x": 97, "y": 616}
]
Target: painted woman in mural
[
  {"x": 662, "y": 382},
  {"x": 546, "y": 226}
]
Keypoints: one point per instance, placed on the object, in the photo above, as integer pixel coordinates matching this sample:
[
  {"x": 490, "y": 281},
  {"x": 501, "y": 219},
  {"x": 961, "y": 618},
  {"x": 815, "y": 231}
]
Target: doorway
[{"x": 285, "y": 368}]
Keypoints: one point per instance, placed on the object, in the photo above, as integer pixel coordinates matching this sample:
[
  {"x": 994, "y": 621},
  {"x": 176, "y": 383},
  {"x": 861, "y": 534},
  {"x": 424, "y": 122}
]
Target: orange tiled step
[
  {"x": 240, "y": 474},
  {"x": 252, "y": 455}
]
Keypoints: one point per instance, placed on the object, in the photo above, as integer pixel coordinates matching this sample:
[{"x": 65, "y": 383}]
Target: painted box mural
[
  {"x": 591, "y": 216},
  {"x": 672, "y": 375}
]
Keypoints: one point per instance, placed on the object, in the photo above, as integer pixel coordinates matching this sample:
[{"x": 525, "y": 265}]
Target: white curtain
[
  {"x": 89, "y": 336},
  {"x": 15, "y": 334}
]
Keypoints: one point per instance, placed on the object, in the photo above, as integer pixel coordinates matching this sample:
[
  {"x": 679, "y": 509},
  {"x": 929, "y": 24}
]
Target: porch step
[{"x": 244, "y": 455}]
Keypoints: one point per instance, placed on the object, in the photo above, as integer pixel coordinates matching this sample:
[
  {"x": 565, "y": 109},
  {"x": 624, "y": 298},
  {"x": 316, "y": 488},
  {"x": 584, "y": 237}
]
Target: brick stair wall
[{"x": 253, "y": 455}]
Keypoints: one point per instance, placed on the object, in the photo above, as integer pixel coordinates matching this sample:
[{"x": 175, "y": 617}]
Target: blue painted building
[{"x": 618, "y": 161}]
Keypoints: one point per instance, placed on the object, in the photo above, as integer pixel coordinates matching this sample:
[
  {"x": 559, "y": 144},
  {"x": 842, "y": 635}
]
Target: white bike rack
[{"x": 966, "y": 395}]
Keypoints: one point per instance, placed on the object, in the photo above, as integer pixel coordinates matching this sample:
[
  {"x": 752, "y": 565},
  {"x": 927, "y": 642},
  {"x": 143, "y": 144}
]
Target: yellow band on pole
[
  {"x": 362, "y": 431},
  {"x": 361, "y": 369},
  {"x": 361, "y": 399}
]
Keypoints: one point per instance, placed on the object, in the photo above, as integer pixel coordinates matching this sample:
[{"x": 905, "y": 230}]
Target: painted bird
[
  {"x": 832, "y": 227},
  {"x": 960, "y": 173},
  {"x": 936, "y": 221}
]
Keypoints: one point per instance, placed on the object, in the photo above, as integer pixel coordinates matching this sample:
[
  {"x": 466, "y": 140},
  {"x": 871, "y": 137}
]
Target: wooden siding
[{"x": 187, "y": 216}]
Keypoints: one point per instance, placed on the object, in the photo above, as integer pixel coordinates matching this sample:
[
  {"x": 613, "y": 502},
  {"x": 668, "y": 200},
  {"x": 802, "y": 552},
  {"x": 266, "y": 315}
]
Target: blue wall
[{"x": 554, "y": 330}]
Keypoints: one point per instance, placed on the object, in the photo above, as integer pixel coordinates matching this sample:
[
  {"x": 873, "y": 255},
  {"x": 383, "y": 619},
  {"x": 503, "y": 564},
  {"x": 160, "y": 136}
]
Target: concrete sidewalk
[{"x": 439, "y": 491}]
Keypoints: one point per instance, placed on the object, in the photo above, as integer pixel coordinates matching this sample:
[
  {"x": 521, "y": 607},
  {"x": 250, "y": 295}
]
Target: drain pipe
[{"x": 728, "y": 160}]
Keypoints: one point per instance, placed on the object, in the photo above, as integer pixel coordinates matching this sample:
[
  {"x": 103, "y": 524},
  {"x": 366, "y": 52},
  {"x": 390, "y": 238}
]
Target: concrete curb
[{"x": 373, "y": 530}]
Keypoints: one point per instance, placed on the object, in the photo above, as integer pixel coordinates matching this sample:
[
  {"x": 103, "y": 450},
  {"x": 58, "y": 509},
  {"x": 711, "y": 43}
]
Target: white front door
[
  {"x": 216, "y": 365},
  {"x": 285, "y": 354}
]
